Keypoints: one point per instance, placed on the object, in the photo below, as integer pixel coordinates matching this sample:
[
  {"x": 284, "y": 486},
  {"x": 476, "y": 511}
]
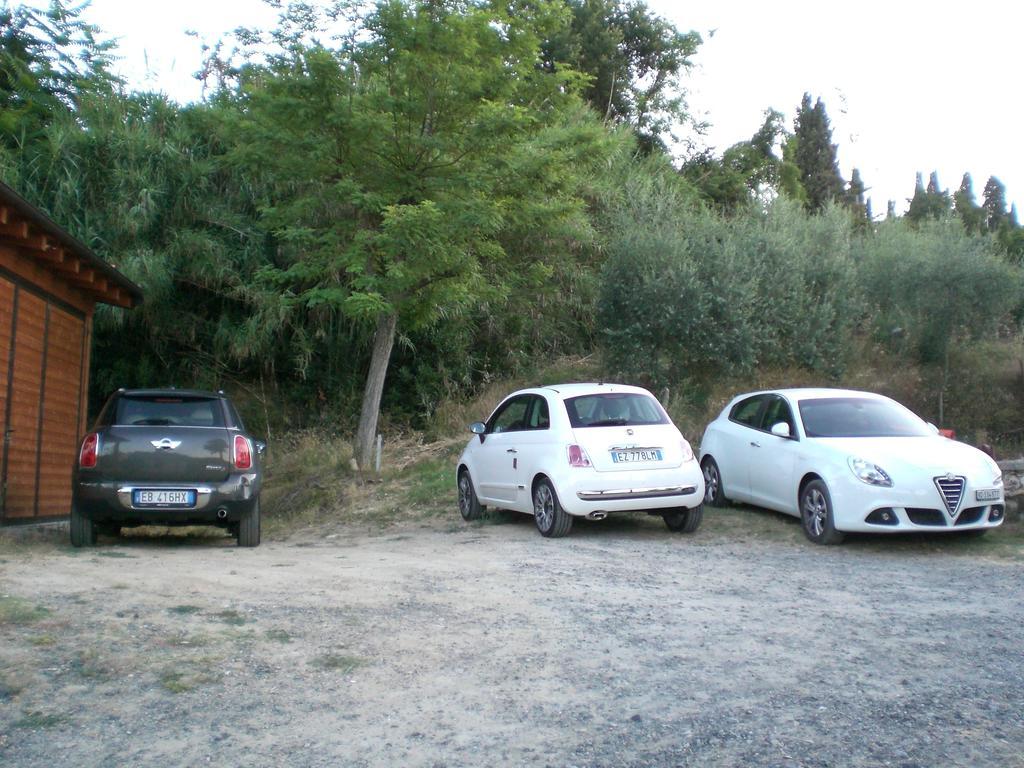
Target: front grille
[
  {"x": 951, "y": 489},
  {"x": 920, "y": 516},
  {"x": 970, "y": 515}
]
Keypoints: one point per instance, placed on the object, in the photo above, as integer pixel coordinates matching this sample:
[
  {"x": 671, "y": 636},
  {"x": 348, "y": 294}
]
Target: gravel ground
[{"x": 448, "y": 644}]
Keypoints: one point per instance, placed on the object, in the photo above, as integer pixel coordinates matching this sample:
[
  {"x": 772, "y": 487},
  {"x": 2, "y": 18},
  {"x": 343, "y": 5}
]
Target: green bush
[{"x": 688, "y": 294}]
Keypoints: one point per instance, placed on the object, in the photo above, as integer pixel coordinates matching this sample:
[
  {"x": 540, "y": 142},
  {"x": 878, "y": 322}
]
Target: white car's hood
[{"x": 933, "y": 454}]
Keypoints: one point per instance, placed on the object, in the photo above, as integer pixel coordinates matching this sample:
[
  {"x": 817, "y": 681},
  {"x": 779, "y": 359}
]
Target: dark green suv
[{"x": 167, "y": 457}]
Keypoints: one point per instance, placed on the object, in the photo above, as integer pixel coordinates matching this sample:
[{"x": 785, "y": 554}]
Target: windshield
[
  {"x": 859, "y": 417},
  {"x": 614, "y": 409}
]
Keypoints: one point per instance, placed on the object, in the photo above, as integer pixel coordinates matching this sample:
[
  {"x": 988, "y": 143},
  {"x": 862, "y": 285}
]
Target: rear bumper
[
  {"x": 216, "y": 503},
  {"x": 583, "y": 492}
]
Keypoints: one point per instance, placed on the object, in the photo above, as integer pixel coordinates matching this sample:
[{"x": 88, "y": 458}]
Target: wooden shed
[{"x": 50, "y": 284}]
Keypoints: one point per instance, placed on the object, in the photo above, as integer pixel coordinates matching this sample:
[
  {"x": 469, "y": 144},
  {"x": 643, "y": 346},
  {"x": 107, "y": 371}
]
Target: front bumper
[
  {"x": 860, "y": 508},
  {"x": 216, "y": 503}
]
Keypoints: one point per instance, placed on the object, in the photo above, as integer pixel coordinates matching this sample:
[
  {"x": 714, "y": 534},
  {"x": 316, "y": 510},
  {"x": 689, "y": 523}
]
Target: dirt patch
[{"x": 442, "y": 643}]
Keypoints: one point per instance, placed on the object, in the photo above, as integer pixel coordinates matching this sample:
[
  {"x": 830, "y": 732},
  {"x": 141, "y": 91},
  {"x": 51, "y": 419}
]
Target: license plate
[
  {"x": 636, "y": 454},
  {"x": 164, "y": 498},
  {"x": 987, "y": 494}
]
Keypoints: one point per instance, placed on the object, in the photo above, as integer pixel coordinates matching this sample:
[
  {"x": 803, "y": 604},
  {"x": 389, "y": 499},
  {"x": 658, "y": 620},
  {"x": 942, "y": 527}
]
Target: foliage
[
  {"x": 48, "y": 61},
  {"x": 930, "y": 287},
  {"x": 633, "y": 60},
  {"x": 928, "y": 203},
  {"x": 687, "y": 294},
  {"x": 815, "y": 155}
]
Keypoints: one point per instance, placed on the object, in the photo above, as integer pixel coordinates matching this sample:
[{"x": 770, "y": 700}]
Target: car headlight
[
  {"x": 997, "y": 481},
  {"x": 869, "y": 473}
]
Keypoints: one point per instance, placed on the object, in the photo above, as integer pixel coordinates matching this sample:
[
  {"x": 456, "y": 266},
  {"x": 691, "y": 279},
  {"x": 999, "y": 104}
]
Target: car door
[
  {"x": 498, "y": 467},
  {"x": 740, "y": 436},
  {"x": 774, "y": 459}
]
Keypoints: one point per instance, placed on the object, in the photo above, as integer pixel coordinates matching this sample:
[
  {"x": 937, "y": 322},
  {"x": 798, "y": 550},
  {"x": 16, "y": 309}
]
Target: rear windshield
[
  {"x": 614, "y": 409},
  {"x": 164, "y": 411}
]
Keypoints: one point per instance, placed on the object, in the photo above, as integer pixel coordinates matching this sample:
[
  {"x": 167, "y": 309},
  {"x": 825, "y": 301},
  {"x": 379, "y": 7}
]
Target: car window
[
  {"x": 614, "y": 409},
  {"x": 233, "y": 415},
  {"x": 747, "y": 411},
  {"x": 859, "y": 417},
  {"x": 540, "y": 417},
  {"x": 511, "y": 417},
  {"x": 168, "y": 411},
  {"x": 777, "y": 411}
]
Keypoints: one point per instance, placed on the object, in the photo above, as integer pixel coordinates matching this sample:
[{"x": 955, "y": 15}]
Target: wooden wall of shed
[{"x": 47, "y": 382}]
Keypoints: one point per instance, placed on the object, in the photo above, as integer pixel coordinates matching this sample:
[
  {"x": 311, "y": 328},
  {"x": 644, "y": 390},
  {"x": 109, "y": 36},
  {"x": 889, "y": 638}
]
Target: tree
[
  {"x": 859, "y": 207},
  {"x": 397, "y": 161},
  {"x": 966, "y": 208},
  {"x": 744, "y": 171},
  {"x": 48, "y": 61},
  {"x": 929, "y": 202},
  {"x": 815, "y": 155},
  {"x": 633, "y": 60},
  {"x": 994, "y": 203}
]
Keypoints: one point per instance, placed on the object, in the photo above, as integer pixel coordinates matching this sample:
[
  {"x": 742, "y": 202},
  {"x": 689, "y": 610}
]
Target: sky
[{"x": 909, "y": 86}]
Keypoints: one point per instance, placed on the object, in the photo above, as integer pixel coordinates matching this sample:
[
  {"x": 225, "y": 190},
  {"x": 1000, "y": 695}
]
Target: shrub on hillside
[{"x": 687, "y": 293}]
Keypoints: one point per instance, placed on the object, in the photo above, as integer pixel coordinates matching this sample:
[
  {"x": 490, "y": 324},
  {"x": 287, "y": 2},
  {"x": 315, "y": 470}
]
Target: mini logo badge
[{"x": 166, "y": 444}]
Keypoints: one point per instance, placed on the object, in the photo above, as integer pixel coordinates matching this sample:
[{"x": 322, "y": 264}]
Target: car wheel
[
  {"x": 816, "y": 514},
  {"x": 684, "y": 520},
  {"x": 552, "y": 521},
  {"x": 714, "y": 494},
  {"x": 83, "y": 530},
  {"x": 469, "y": 504},
  {"x": 249, "y": 526}
]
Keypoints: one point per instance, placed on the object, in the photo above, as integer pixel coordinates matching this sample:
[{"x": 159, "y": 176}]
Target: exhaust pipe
[
  {"x": 222, "y": 513},
  {"x": 597, "y": 515}
]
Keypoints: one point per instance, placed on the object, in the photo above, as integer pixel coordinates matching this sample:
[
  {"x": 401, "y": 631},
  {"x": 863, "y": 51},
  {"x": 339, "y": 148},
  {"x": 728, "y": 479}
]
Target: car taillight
[
  {"x": 687, "y": 452},
  {"x": 90, "y": 448},
  {"x": 578, "y": 457},
  {"x": 243, "y": 453}
]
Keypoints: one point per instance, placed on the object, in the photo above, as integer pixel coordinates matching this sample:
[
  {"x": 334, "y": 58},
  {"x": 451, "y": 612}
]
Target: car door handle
[
  {"x": 511, "y": 450},
  {"x": 754, "y": 445}
]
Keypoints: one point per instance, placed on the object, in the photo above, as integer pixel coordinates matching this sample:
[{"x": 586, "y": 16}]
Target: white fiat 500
[
  {"x": 847, "y": 461},
  {"x": 580, "y": 450}
]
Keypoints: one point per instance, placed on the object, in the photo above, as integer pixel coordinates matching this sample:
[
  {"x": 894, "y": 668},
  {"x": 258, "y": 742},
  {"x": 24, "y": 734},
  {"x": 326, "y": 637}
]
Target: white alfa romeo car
[
  {"x": 847, "y": 461},
  {"x": 580, "y": 450}
]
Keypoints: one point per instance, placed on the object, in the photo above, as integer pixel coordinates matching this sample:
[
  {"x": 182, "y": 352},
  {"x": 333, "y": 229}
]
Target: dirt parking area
[{"x": 446, "y": 644}]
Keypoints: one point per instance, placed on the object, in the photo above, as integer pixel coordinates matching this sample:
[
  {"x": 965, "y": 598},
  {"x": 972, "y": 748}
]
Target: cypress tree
[
  {"x": 816, "y": 155},
  {"x": 994, "y": 203},
  {"x": 966, "y": 208}
]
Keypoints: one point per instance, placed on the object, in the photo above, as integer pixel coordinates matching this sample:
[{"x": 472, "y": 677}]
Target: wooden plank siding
[
  {"x": 62, "y": 402},
  {"x": 6, "y": 319},
  {"x": 24, "y": 388}
]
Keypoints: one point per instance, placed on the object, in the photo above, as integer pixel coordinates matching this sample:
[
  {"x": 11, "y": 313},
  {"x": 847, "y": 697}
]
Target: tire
[
  {"x": 714, "y": 491},
  {"x": 469, "y": 504},
  {"x": 816, "y": 514},
  {"x": 552, "y": 521},
  {"x": 684, "y": 520},
  {"x": 249, "y": 526},
  {"x": 83, "y": 530}
]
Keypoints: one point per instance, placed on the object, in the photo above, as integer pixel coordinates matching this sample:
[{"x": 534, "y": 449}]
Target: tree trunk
[{"x": 383, "y": 341}]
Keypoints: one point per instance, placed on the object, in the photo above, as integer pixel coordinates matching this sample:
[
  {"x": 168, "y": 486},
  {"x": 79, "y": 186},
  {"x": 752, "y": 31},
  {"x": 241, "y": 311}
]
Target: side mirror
[
  {"x": 261, "y": 447},
  {"x": 477, "y": 427},
  {"x": 781, "y": 429}
]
